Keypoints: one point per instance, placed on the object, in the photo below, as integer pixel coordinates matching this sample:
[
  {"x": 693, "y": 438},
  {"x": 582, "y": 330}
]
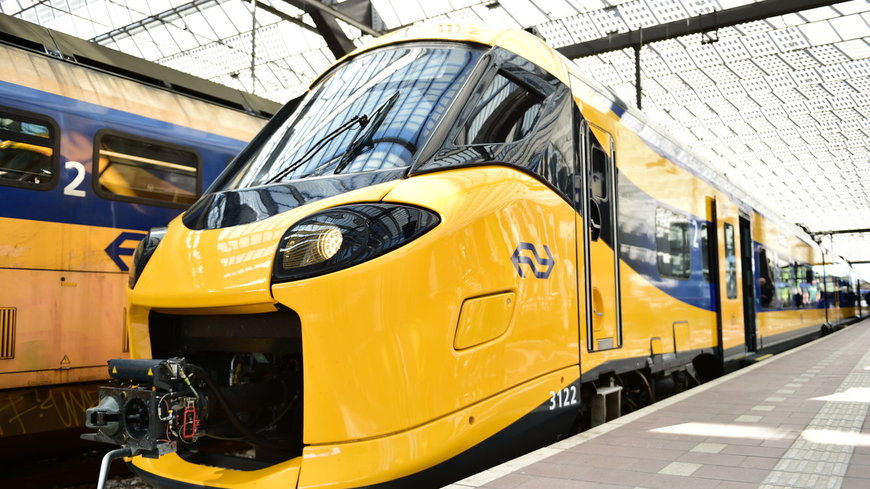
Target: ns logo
[
  {"x": 527, "y": 259},
  {"x": 123, "y": 245}
]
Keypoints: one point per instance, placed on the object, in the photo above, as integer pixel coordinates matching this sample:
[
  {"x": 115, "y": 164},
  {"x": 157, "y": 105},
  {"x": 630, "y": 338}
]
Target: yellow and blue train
[
  {"x": 447, "y": 254},
  {"x": 90, "y": 159}
]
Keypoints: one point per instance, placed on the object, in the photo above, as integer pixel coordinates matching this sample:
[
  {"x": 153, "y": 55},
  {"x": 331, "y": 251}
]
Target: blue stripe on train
[
  {"x": 79, "y": 122},
  {"x": 637, "y": 246},
  {"x": 637, "y": 241}
]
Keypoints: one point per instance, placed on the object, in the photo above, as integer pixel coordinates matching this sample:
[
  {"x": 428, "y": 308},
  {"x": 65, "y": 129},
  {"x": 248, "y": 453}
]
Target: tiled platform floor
[{"x": 796, "y": 420}]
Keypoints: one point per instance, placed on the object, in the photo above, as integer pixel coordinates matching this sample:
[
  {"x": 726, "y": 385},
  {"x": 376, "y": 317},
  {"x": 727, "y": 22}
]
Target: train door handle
[
  {"x": 594, "y": 220},
  {"x": 595, "y": 311}
]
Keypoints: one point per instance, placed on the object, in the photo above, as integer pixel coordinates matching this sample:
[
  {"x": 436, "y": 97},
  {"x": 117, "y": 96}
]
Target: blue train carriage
[
  {"x": 89, "y": 161},
  {"x": 470, "y": 250}
]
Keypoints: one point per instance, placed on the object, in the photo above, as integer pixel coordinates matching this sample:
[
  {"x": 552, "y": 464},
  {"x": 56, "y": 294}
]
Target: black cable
[{"x": 231, "y": 416}]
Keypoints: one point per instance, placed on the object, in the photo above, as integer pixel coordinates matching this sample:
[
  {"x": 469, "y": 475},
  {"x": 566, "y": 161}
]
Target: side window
[
  {"x": 506, "y": 113},
  {"x": 672, "y": 244},
  {"x": 28, "y": 150},
  {"x": 135, "y": 169},
  {"x": 801, "y": 296},
  {"x": 730, "y": 263},
  {"x": 705, "y": 252},
  {"x": 785, "y": 282},
  {"x": 766, "y": 280},
  {"x": 598, "y": 172}
]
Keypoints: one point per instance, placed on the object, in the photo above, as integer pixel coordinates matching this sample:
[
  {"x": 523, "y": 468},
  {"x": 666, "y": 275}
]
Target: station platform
[{"x": 795, "y": 420}]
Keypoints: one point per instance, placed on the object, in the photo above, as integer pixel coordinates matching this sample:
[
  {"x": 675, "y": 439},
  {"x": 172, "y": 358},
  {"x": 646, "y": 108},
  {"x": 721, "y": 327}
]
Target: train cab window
[
  {"x": 505, "y": 113},
  {"x": 383, "y": 108},
  {"x": 730, "y": 263},
  {"x": 28, "y": 150},
  {"x": 135, "y": 169},
  {"x": 672, "y": 244}
]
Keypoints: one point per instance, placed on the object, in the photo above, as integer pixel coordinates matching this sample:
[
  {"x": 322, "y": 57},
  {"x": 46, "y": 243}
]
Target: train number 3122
[{"x": 563, "y": 398}]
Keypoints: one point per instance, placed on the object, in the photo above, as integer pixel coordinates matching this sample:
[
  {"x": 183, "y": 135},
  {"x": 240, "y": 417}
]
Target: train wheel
[{"x": 636, "y": 391}]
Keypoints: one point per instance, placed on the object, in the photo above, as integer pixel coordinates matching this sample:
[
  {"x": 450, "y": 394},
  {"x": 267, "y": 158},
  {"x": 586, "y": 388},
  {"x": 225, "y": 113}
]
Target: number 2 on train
[{"x": 72, "y": 187}]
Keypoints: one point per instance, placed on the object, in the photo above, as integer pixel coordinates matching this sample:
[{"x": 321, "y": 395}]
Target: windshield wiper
[
  {"x": 363, "y": 139},
  {"x": 362, "y": 120}
]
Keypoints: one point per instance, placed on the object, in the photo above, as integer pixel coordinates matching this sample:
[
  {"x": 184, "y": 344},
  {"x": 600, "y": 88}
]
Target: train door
[
  {"x": 725, "y": 276},
  {"x": 713, "y": 262},
  {"x": 746, "y": 252},
  {"x": 600, "y": 240}
]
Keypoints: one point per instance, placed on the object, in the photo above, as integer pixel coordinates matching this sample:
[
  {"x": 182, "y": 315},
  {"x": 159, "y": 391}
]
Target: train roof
[
  {"x": 35, "y": 38},
  {"x": 534, "y": 48}
]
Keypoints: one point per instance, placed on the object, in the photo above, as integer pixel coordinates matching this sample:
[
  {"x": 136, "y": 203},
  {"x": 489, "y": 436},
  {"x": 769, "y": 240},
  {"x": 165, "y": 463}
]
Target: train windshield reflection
[{"x": 373, "y": 113}]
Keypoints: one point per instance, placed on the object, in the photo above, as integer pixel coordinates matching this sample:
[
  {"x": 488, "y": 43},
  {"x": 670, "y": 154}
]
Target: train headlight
[
  {"x": 347, "y": 235},
  {"x": 143, "y": 253},
  {"x": 311, "y": 244}
]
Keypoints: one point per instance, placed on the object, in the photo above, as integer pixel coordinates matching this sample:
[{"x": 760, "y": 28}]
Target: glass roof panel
[{"x": 763, "y": 101}]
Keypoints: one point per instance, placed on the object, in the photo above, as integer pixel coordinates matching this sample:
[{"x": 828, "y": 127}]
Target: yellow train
[{"x": 454, "y": 250}]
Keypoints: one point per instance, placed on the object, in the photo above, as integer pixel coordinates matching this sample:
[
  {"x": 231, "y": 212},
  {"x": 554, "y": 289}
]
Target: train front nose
[{"x": 201, "y": 299}]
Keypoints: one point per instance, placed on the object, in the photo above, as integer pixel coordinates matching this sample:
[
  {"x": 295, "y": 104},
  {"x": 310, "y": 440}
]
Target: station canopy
[{"x": 773, "y": 94}]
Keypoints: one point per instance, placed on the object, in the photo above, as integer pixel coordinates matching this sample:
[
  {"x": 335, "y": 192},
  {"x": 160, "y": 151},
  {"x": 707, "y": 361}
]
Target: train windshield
[{"x": 373, "y": 113}]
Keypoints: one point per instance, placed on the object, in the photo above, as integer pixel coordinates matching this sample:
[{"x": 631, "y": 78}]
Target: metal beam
[
  {"x": 289, "y": 18},
  {"x": 324, "y": 18},
  {"x": 637, "y": 88},
  {"x": 361, "y": 10},
  {"x": 335, "y": 13},
  {"x": 843, "y": 231},
  {"x": 335, "y": 38},
  {"x": 693, "y": 25}
]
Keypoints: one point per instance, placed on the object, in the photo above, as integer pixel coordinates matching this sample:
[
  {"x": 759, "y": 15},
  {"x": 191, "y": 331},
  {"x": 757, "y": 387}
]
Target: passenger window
[
  {"x": 506, "y": 113},
  {"x": 801, "y": 296},
  {"x": 766, "y": 279},
  {"x": 785, "y": 285},
  {"x": 730, "y": 263},
  {"x": 139, "y": 169},
  {"x": 705, "y": 252},
  {"x": 672, "y": 244},
  {"x": 28, "y": 149},
  {"x": 783, "y": 275}
]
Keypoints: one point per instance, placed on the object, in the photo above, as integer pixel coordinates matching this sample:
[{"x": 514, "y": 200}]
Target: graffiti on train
[{"x": 28, "y": 411}]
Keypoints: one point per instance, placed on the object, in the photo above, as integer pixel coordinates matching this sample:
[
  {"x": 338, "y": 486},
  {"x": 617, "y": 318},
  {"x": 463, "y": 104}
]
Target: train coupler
[{"x": 152, "y": 407}]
